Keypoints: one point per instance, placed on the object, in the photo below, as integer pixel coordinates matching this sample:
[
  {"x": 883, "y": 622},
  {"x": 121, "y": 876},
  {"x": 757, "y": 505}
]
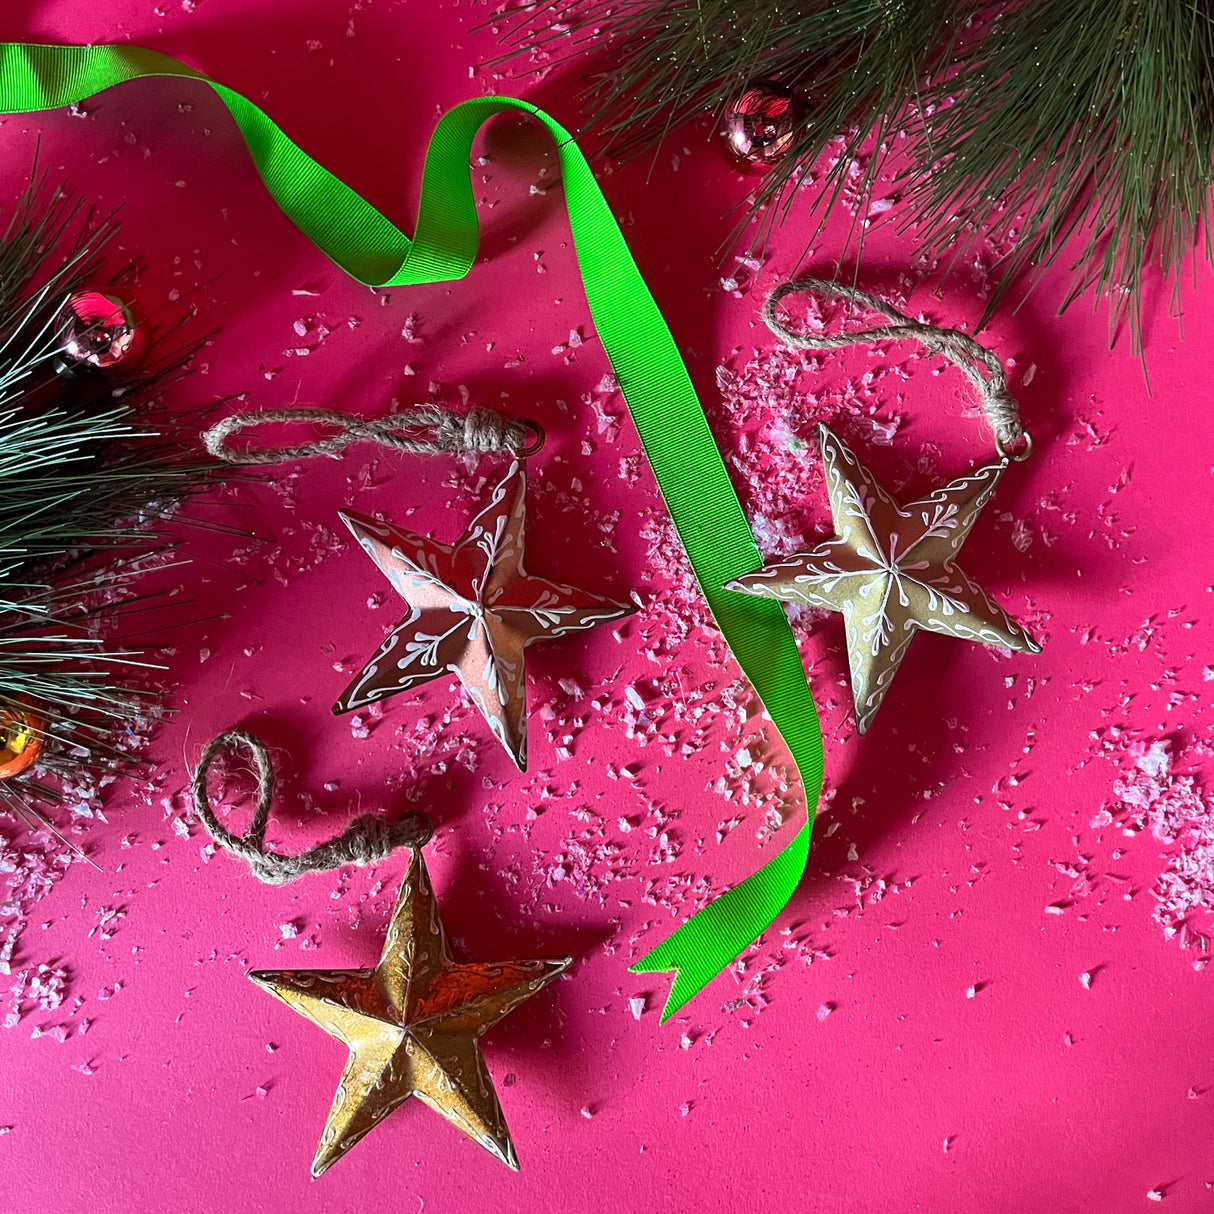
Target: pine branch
[
  {"x": 1032, "y": 123},
  {"x": 89, "y": 468}
]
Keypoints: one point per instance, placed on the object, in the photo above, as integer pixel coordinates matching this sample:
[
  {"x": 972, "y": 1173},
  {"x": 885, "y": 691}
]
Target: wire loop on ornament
[
  {"x": 978, "y": 364},
  {"x": 537, "y": 439},
  {"x": 1018, "y": 457}
]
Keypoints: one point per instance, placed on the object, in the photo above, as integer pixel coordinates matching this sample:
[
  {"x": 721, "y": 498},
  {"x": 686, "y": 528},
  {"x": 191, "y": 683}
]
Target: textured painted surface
[
  {"x": 990, "y": 991},
  {"x": 413, "y": 1025}
]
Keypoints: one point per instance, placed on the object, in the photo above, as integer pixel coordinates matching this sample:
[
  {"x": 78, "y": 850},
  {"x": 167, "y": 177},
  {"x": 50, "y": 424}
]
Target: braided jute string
[
  {"x": 366, "y": 840},
  {"x": 979, "y": 365},
  {"x": 419, "y": 430}
]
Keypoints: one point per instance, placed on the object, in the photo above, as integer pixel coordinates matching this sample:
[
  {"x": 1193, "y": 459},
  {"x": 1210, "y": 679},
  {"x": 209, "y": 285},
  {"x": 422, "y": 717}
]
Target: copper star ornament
[
  {"x": 890, "y": 570},
  {"x": 473, "y": 609},
  {"x": 413, "y": 1026}
]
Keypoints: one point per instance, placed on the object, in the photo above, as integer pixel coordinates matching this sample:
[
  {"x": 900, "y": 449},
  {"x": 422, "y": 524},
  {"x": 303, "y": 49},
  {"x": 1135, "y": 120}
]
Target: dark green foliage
[
  {"x": 84, "y": 481},
  {"x": 1027, "y": 122}
]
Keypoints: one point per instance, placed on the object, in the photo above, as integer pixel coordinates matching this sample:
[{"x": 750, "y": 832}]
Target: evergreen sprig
[
  {"x": 1030, "y": 122},
  {"x": 89, "y": 468}
]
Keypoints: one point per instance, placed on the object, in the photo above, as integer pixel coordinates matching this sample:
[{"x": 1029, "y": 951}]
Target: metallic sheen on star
[
  {"x": 413, "y": 1026},
  {"x": 890, "y": 570},
  {"x": 473, "y": 610}
]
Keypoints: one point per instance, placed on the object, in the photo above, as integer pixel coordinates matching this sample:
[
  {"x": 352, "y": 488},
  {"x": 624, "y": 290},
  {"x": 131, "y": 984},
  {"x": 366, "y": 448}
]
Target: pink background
[{"x": 980, "y": 997}]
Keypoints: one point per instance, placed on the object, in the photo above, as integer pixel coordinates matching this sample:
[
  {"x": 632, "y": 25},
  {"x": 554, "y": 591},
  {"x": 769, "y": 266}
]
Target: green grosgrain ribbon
[{"x": 642, "y": 353}]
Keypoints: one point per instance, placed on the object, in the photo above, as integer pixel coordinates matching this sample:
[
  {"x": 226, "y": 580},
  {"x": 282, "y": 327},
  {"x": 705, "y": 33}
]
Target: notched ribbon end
[{"x": 685, "y": 985}]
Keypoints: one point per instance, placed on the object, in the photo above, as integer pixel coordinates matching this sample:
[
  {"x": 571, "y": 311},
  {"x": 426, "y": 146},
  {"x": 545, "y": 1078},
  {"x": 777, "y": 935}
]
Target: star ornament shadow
[
  {"x": 413, "y": 1026},
  {"x": 891, "y": 570},
  {"x": 473, "y": 610}
]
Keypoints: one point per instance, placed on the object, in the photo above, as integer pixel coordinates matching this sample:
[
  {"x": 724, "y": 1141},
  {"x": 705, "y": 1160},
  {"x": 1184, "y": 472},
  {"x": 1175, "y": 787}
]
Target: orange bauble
[{"x": 21, "y": 731}]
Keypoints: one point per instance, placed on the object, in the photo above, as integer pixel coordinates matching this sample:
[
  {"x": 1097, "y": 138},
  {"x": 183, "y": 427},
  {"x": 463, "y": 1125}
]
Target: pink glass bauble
[
  {"x": 760, "y": 127},
  {"x": 100, "y": 332}
]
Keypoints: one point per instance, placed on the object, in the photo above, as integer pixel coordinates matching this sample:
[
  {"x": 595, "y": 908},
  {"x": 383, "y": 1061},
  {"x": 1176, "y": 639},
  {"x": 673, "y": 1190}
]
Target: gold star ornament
[
  {"x": 473, "y": 609},
  {"x": 890, "y": 569},
  {"x": 413, "y": 1026}
]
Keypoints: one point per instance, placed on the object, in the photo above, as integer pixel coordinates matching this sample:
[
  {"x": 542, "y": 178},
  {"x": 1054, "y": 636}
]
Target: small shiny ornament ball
[
  {"x": 21, "y": 731},
  {"x": 101, "y": 333},
  {"x": 760, "y": 127}
]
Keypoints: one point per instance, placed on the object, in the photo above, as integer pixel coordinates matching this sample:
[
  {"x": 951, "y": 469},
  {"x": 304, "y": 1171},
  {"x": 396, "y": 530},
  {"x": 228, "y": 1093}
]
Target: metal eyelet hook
[
  {"x": 1017, "y": 457},
  {"x": 537, "y": 439}
]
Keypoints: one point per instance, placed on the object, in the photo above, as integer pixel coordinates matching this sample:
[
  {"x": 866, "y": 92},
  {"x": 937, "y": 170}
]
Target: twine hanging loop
[
  {"x": 978, "y": 364},
  {"x": 419, "y": 430},
  {"x": 366, "y": 840}
]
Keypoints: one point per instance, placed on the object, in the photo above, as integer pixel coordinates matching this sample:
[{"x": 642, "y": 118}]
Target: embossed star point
[
  {"x": 413, "y": 1026},
  {"x": 473, "y": 610},
  {"x": 890, "y": 570}
]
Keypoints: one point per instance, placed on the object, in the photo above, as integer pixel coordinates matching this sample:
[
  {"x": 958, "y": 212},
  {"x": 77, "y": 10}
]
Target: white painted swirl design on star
[
  {"x": 891, "y": 570},
  {"x": 473, "y": 610}
]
